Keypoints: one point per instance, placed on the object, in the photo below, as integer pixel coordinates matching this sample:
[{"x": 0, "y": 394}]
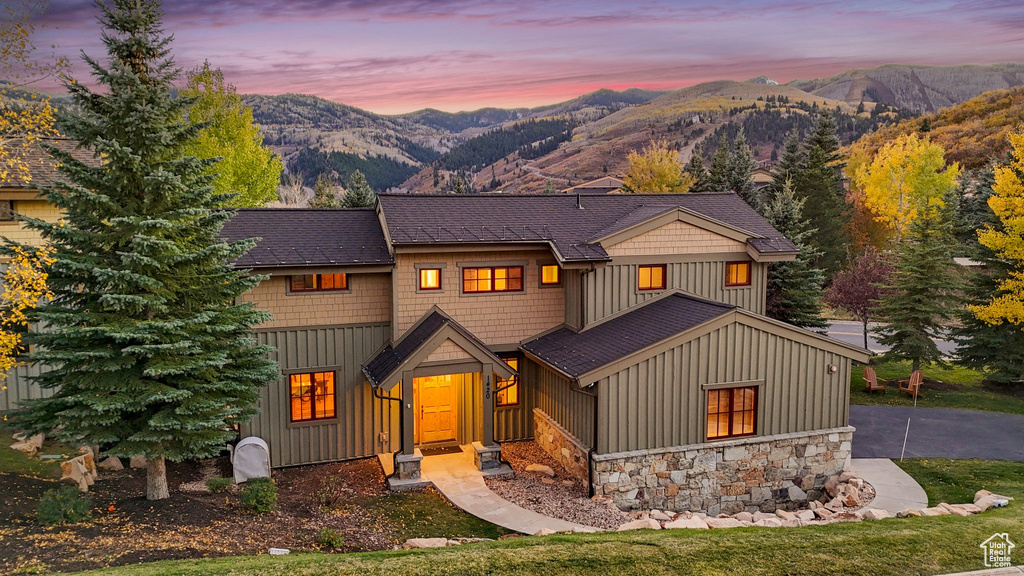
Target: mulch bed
[
  {"x": 564, "y": 498},
  {"x": 127, "y": 528}
]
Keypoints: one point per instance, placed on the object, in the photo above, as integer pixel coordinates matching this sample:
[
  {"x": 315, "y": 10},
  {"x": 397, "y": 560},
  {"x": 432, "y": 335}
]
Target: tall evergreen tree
[
  {"x": 325, "y": 194},
  {"x": 795, "y": 287},
  {"x": 741, "y": 170},
  {"x": 919, "y": 300},
  {"x": 695, "y": 169},
  {"x": 819, "y": 182},
  {"x": 720, "y": 173},
  {"x": 358, "y": 193},
  {"x": 789, "y": 166},
  {"x": 148, "y": 352}
]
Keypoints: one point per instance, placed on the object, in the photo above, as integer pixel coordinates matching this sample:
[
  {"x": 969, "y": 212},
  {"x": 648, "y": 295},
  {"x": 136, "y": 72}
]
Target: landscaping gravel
[{"x": 560, "y": 497}]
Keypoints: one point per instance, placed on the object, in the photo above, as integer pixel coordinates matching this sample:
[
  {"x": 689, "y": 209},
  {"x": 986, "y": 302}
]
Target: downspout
[
  {"x": 590, "y": 452},
  {"x": 401, "y": 426},
  {"x": 514, "y": 380}
]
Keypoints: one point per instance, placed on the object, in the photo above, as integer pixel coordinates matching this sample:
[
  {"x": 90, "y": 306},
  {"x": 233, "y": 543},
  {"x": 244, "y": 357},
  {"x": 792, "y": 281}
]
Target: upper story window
[
  {"x": 732, "y": 412},
  {"x": 492, "y": 279},
  {"x": 737, "y": 274},
  {"x": 430, "y": 278},
  {"x": 318, "y": 283},
  {"x": 550, "y": 275},
  {"x": 312, "y": 396},
  {"x": 6, "y": 210},
  {"x": 651, "y": 277},
  {"x": 509, "y": 396}
]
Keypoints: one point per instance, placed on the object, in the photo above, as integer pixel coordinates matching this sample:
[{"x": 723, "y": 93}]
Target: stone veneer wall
[
  {"x": 751, "y": 474},
  {"x": 561, "y": 445}
]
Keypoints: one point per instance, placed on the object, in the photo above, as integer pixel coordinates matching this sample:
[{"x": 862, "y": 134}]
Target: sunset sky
[{"x": 400, "y": 55}]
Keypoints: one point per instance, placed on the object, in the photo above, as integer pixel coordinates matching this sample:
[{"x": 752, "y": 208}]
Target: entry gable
[
  {"x": 434, "y": 339},
  {"x": 676, "y": 231}
]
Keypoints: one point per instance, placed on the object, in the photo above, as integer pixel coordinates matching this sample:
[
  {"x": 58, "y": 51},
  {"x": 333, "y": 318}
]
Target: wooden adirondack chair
[
  {"x": 912, "y": 385},
  {"x": 871, "y": 381}
]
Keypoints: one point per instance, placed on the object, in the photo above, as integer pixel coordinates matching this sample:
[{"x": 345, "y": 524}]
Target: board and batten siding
[
  {"x": 17, "y": 387},
  {"x": 573, "y": 410},
  {"x": 361, "y": 418},
  {"x": 516, "y": 422},
  {"x": 661, "y": 402},
  {"x": 612, "y": 288}
]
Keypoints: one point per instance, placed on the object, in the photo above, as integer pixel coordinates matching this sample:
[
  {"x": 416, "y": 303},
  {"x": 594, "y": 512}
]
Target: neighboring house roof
[
  {"x": 435, "y": 326},
  {"x": 584, "y": 356},
  {"x": 603, "y": 185},
  {"x": 573, "y": 230},
  {"x": 576, "y": 353},
  {"x": 291, "y": 237},
  {"x": 42, "y": 168}
]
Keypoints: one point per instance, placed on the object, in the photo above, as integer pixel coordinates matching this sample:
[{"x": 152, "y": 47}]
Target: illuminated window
[
  {"x": 430, "y": 279},
  {"x": 312, "y": 396},
  {"x": 651, "y": 277},
  {"x": 550, "y": 275},
  {"x": 318, "y": 283},
  {"x": 492, "y": 279},
  {"x": 737, "y": 274},
  {"x": 510, "y": 395},
  {"x": 732, "y": 412}
]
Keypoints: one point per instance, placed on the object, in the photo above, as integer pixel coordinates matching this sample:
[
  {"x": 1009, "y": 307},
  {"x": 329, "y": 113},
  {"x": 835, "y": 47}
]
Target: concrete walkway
[
  {"x": 936, "y": 433},
  {"x": 456, "y": 476},
  {"x": 895, "y": 490}
]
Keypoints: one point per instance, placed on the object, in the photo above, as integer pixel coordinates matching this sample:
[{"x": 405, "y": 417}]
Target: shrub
[
  {"x": 259, "y": 495},
  {"x": 217, "y": 485},
  {"x": 329, "y": 538},
  {"x": 64, "y": 506}
]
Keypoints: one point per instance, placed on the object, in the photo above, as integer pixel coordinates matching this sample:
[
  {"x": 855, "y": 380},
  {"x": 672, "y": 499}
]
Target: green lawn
[
  {"x": 912, "y": 546},
  {"x": 960, "y": 388},
  {"x": 424, "y": 515},
  {"x": 14, "y": 462}
]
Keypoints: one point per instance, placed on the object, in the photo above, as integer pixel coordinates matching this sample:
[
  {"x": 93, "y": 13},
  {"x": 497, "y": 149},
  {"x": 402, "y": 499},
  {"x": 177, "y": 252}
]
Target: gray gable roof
[
  {"x": 42, "y": 168},
  {"x": 577, "y": 353},
  {"x": 571, "y": 230},
  {"x": 306, "y": 237}
]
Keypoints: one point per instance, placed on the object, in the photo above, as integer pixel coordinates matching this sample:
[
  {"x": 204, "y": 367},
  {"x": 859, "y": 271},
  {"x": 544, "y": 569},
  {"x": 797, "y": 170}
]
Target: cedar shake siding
[
  {"x": 367, "y": 300},
  {"x": 675, "y": 238},
  {"x": 496, "y": 318}
]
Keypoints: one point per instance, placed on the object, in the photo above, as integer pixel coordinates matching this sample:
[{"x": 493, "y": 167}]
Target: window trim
[
  {"x": 291, "y": 292},
  {"x": 311, "y": 421},
  {"x": 13, "y": 219},
  {"x": 492, "y": 268},
  {"x": 732, "y": 387},
  {"x": 750, "y": 273},
  {"x": 419, "y": 279},
  {"x": 540, "y": 274},
  {"x": 519, "y": 362},
  {"x": 664, "y": 277}
]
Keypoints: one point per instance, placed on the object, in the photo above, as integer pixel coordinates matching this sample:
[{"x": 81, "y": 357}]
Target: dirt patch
[
  {"x": 348, "y": 497},
  {"x": 560, "y": 497}
]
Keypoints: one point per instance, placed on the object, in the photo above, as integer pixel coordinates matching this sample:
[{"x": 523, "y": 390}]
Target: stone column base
[
  {"x": 407, "y": 466},
  {"x": 486, "y": 457}
]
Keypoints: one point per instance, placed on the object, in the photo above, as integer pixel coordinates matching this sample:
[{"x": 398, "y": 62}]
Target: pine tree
[
  {"x": 818, "y": 182},
  {"x": 148, "y": 352},
  {"x": 795, "y": 287},
  {"x": 695, "y": 169},
  {"x": 325, "y": 194},
  {"x": 358, "y": 193},
  {"x": 549, "y": 188},
  {"x": 789, "y": 166},
  {"x": 720, "y": 173},
  {"x": 741, "y": 170},
  {"x": 922, "y": 294}
]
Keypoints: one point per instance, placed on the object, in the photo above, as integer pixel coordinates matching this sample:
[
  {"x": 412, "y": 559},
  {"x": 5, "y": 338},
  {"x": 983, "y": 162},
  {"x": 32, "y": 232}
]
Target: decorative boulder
[
  {"x": 541, "y": 469},
  {"x": 643, "y": 524},
  {"x": 723, "y": 523},
  {"x": 544, "y": 532},
  {"x": 112, "y": 463},
  {"x": 28, "y": 445},
  {"x": 690, "y": 523},
  {"x": 876, "y": 514},
  {"x": 80, "y": 470},
  {"x": 137, "y": 462},
  {"x": 425, "y": 543},
  {"x": 250, "y": 459}
]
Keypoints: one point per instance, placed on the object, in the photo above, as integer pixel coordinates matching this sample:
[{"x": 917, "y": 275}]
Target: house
[
  {"x": 624, "y": 333},
  {"x": 603, "y": 185},
  {"x": 20, "y": 195}
]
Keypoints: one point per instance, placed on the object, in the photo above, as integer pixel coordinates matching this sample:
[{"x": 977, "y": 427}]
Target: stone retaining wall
[
  {"x": 561, "y": 445},
  {"x": 751, "y": 474}
]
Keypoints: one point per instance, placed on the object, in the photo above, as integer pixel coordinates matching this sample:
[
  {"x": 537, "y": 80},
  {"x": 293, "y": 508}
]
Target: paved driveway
[
  {"x": 853, "y": 333},
  {"x": 936, "y": 433}
]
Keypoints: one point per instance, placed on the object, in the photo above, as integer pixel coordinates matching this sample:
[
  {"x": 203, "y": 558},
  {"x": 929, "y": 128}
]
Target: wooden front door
[{"x": 436, "y": 401}]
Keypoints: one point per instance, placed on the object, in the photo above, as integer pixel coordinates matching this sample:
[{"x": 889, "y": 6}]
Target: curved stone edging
[{"x": 895, "y": 490}]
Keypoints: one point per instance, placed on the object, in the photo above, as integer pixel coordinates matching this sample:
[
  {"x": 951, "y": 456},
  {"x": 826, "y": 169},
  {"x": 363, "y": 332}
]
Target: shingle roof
[
  {"x": 557, "y": 220},
  {"x": 306, "y": 237},
  {"x": 41, "y": 167},
  {"x": 576, "y": 353},
  {"x": 381, "y": 366}
]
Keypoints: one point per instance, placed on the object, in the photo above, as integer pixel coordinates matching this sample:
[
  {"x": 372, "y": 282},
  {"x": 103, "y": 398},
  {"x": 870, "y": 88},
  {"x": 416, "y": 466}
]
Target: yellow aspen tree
[
  {"x": 1007, "y": 240},
  {"x": 905, "y": 177},
  {"x": 24, "y": 284},
  {"x": 656, "y": 170}
]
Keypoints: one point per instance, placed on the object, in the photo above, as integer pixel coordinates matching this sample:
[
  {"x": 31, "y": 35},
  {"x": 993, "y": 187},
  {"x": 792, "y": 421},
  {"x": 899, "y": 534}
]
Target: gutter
[{"x": 401, "y": 427}]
